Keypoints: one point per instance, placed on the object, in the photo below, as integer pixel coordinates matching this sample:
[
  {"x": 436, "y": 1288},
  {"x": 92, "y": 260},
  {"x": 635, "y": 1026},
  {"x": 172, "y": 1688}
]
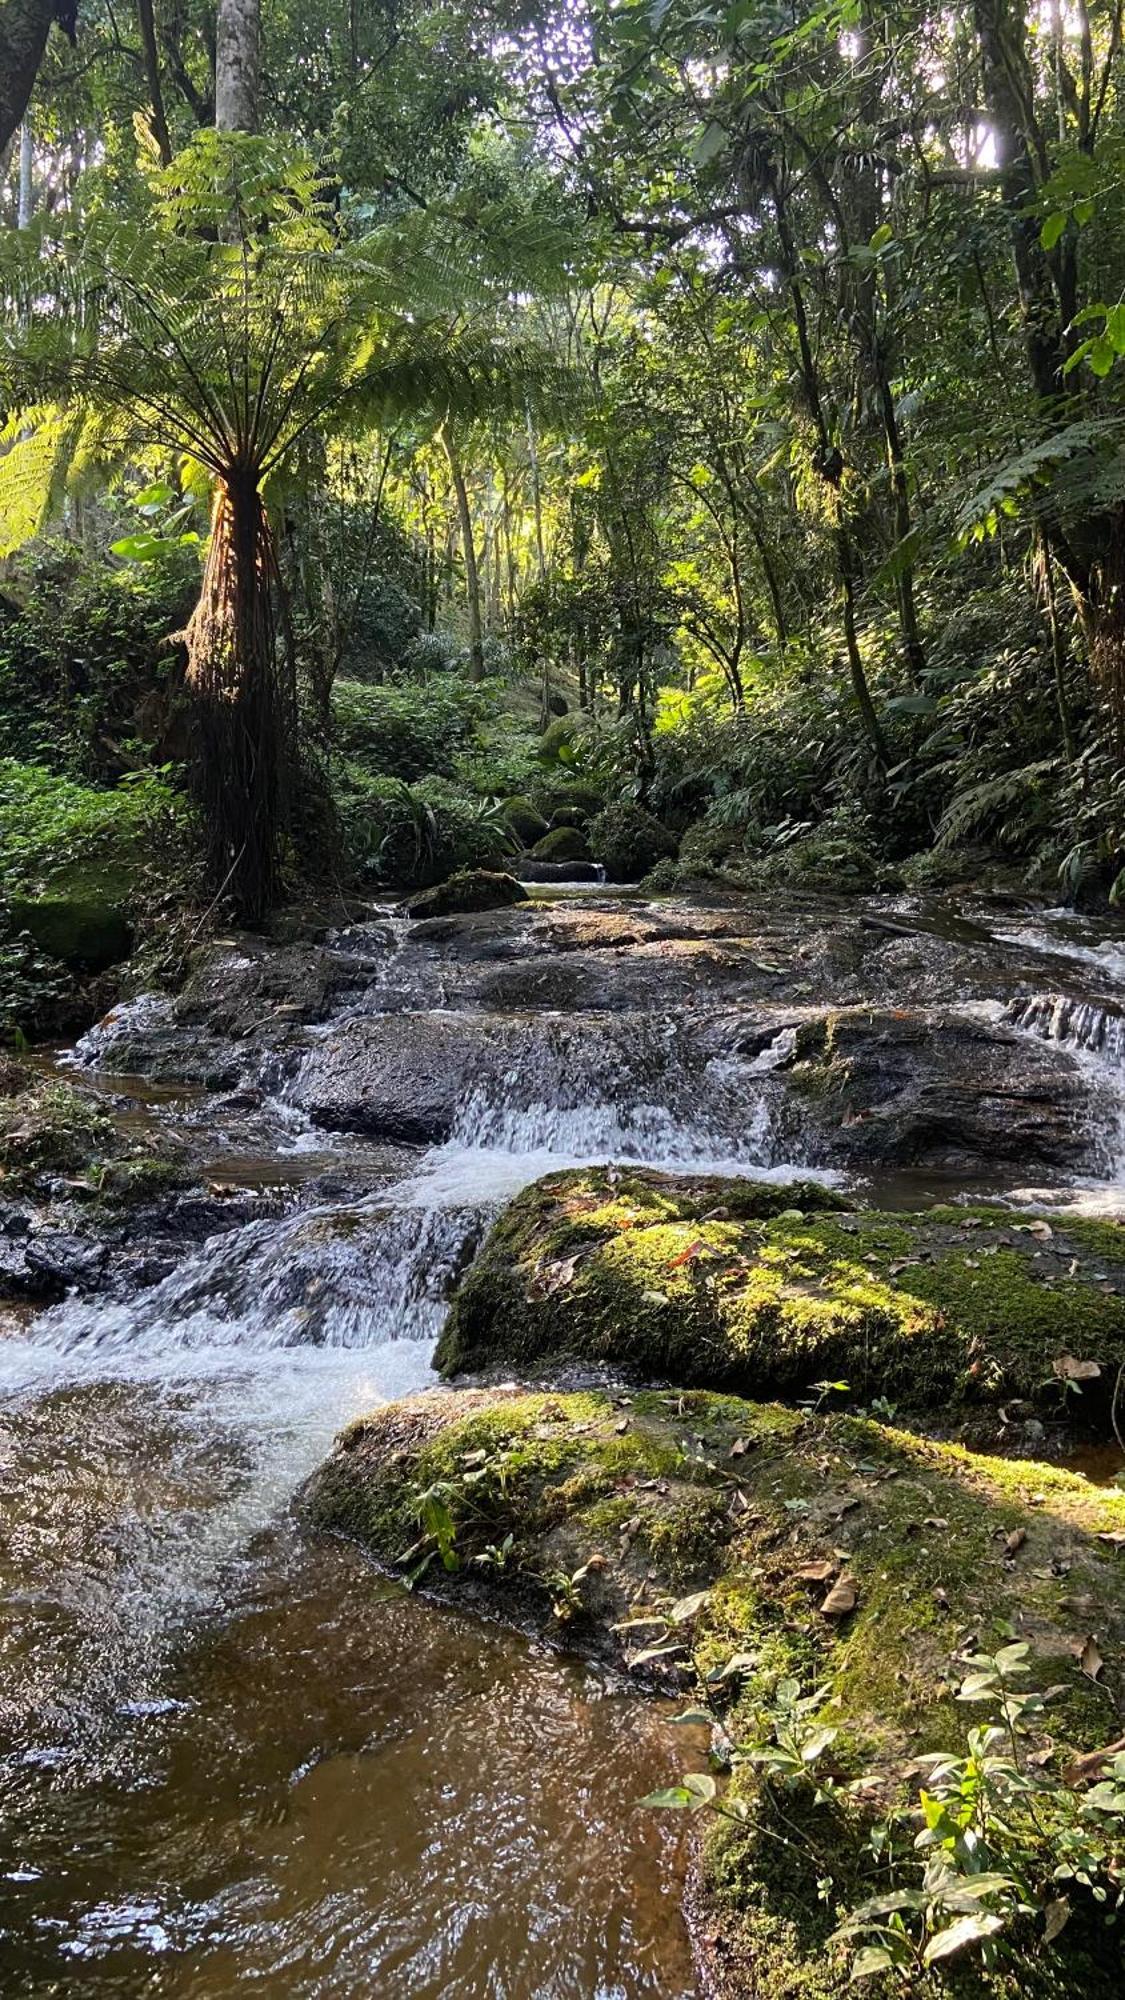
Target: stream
[{"x": 234, "y": 1756}]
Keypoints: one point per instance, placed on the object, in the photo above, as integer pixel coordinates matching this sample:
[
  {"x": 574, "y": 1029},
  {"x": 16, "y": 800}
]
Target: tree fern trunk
[{"x": 241, "y": 704}]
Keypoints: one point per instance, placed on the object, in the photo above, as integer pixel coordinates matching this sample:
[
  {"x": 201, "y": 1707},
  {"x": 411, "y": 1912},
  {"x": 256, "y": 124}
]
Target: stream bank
[{"x": 352, "y": 1113}]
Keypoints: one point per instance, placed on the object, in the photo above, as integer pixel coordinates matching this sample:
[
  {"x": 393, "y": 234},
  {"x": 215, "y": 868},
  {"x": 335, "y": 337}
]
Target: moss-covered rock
[
  {"x": 769, "y": 1290},
  {"x": 628, "y": 842},
  {"x": 526, "y": 822},
  {"x": 695, "y": 1538},
  {"x": 470, "y": 889},
  {"x": 563, "y": 843},
  {"x": 85, "y": 932}
]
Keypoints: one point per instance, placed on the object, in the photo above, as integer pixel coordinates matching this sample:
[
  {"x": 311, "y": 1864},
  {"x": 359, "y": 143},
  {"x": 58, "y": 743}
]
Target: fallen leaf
[
  {"x": 739, "y": 1448},
  {"x": 688, "y": 1607},
  {"x": 1084, "y": 1768},
  {"x": 1069, "y": 1370},
  {"x": 935, "y": 1521},
  {"x": 1113, "y": 1537},
  {"x": 623, "y": 1425},
  {"x": 1041, "y": 1229},
  {"x": 1089, "y": 1658},
  {"x": 814, "y": 1572},
  {"x": 841, "y": 1599},
  {"x": 686, "y": 1256},
  {"x": 1015, "y": 1541},
  {"x": 1058, "y": 1917}
]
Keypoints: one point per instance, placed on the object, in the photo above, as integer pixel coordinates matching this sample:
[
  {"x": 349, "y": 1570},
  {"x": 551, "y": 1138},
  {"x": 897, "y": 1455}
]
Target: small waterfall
[
  {"x": 353, "y": 1277},
  {"x": 1083, "y": 1025},
  {"x": 1094, "y": 1034},
  {"x": 632, "y": 1087}
]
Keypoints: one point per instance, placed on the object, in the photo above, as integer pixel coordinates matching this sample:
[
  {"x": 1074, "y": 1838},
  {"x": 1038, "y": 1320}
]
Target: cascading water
[
  {"x": 1092, "y": 1031},
  {"x": 231, "y": 1760}
]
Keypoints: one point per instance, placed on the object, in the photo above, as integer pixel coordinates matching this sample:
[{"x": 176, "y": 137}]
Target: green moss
[
  {"x": 563, "y": 843},
  {"x": 469, "y": 889},
  {"x": 628, "y": 842},
  {"x": 669, "y": 1494},
  {"x": 770, "y": 1290},
  {"x": 46, "y": 1127}
]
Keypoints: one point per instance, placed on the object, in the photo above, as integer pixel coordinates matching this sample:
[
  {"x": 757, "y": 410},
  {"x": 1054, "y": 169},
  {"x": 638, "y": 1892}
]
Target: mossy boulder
[
  {"x": 563, "y": 843},
  {"x": 83, "y": 932},
  {"x": 628, "y": 842},
  {"x": 695, "y": 1539},
  {"x": 526, "y": 822},
  {"x": 768, "y": 1289},
  {"x": 469, "y": 890}
]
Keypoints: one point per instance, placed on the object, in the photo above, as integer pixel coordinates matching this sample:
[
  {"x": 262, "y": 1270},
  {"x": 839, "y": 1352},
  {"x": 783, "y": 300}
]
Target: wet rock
[
  {"x": 937, "y": 1089},
  {"x": 560, "y": 871},
  {"x": 66, "y": 1262},
  {"x": 470, "y": 890},
  {"x": 395, "y": 1076}
]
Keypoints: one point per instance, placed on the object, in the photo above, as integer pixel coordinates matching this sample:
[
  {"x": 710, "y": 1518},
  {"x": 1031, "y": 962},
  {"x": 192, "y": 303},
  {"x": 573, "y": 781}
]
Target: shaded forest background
[{"x": 688, "y": 439}]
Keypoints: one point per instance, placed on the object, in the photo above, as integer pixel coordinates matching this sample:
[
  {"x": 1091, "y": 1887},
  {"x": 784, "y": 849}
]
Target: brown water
[{"x": 234, "y": 1757}]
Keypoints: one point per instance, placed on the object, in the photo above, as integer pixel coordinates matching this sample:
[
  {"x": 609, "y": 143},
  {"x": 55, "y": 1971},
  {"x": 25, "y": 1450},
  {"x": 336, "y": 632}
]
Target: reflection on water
[{"x": 233, "y": 1757}]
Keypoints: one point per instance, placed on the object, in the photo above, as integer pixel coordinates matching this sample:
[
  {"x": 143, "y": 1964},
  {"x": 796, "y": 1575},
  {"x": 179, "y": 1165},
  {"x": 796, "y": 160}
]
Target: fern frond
[{"x": 1015, "y": 477}]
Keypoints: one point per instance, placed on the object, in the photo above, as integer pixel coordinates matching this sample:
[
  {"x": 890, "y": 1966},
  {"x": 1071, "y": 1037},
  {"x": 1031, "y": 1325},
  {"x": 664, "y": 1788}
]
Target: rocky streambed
[{"x": 795, "y": 1229}]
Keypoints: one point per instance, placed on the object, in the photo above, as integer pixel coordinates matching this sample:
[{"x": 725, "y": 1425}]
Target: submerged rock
[
  {"x": 772, "y": 1290},
  {"x": 700, "y": 1540}
]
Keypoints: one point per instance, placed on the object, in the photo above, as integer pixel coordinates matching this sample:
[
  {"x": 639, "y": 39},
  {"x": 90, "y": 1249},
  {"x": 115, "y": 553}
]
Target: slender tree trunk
[
  {"x": 831, "y": 470},
  {"x": 468, "y": 549},
  {"x": 237, "y": 63},
  {"x": 146, "y": 25},
  {"x": 26, "y": 207}
]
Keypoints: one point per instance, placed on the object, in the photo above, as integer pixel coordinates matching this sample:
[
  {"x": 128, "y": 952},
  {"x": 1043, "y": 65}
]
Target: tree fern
[{"x": 222, "y": 323}]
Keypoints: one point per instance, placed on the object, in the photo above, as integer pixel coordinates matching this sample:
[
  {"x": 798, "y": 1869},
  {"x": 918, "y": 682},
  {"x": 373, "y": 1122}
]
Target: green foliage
[
  {"x": 408, "y": 731},
  {"x": 52, "y": 829},
  {"x": 416, "y": 835},
  {"x": 999, "y": 1838},
  {"x": 83, "y": 653}
]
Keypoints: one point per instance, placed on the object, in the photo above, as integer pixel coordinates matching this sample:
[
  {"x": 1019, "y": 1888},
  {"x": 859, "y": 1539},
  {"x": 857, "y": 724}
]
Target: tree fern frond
[
  {"x": 979, "y": 806},
  {"x": 1009, "y": 481}
]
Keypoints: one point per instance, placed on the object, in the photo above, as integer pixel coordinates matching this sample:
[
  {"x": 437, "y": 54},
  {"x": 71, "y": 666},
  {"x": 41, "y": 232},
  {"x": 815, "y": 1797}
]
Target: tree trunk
[
  {"x": 26, "y": 205},
  {"x": 237, "y": 59},
  {"x": 146, "y": 25},
  {"x": 24, "y": 27},
  {"x": 468, "y": 549},
  {"x": 242, "y": 710}
]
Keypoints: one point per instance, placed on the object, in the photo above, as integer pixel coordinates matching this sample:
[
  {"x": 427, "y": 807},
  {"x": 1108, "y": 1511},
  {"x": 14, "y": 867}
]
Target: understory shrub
[
  {"x": 406, "y": 731},
  {"x": 415, "y": 835},
  {"x": 57, "y": 834},
  {"x": 85, "y": 659}
]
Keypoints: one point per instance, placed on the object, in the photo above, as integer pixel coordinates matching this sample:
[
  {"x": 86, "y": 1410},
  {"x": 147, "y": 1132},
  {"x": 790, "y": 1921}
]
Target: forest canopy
[{"x": 423, "y": 424}]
